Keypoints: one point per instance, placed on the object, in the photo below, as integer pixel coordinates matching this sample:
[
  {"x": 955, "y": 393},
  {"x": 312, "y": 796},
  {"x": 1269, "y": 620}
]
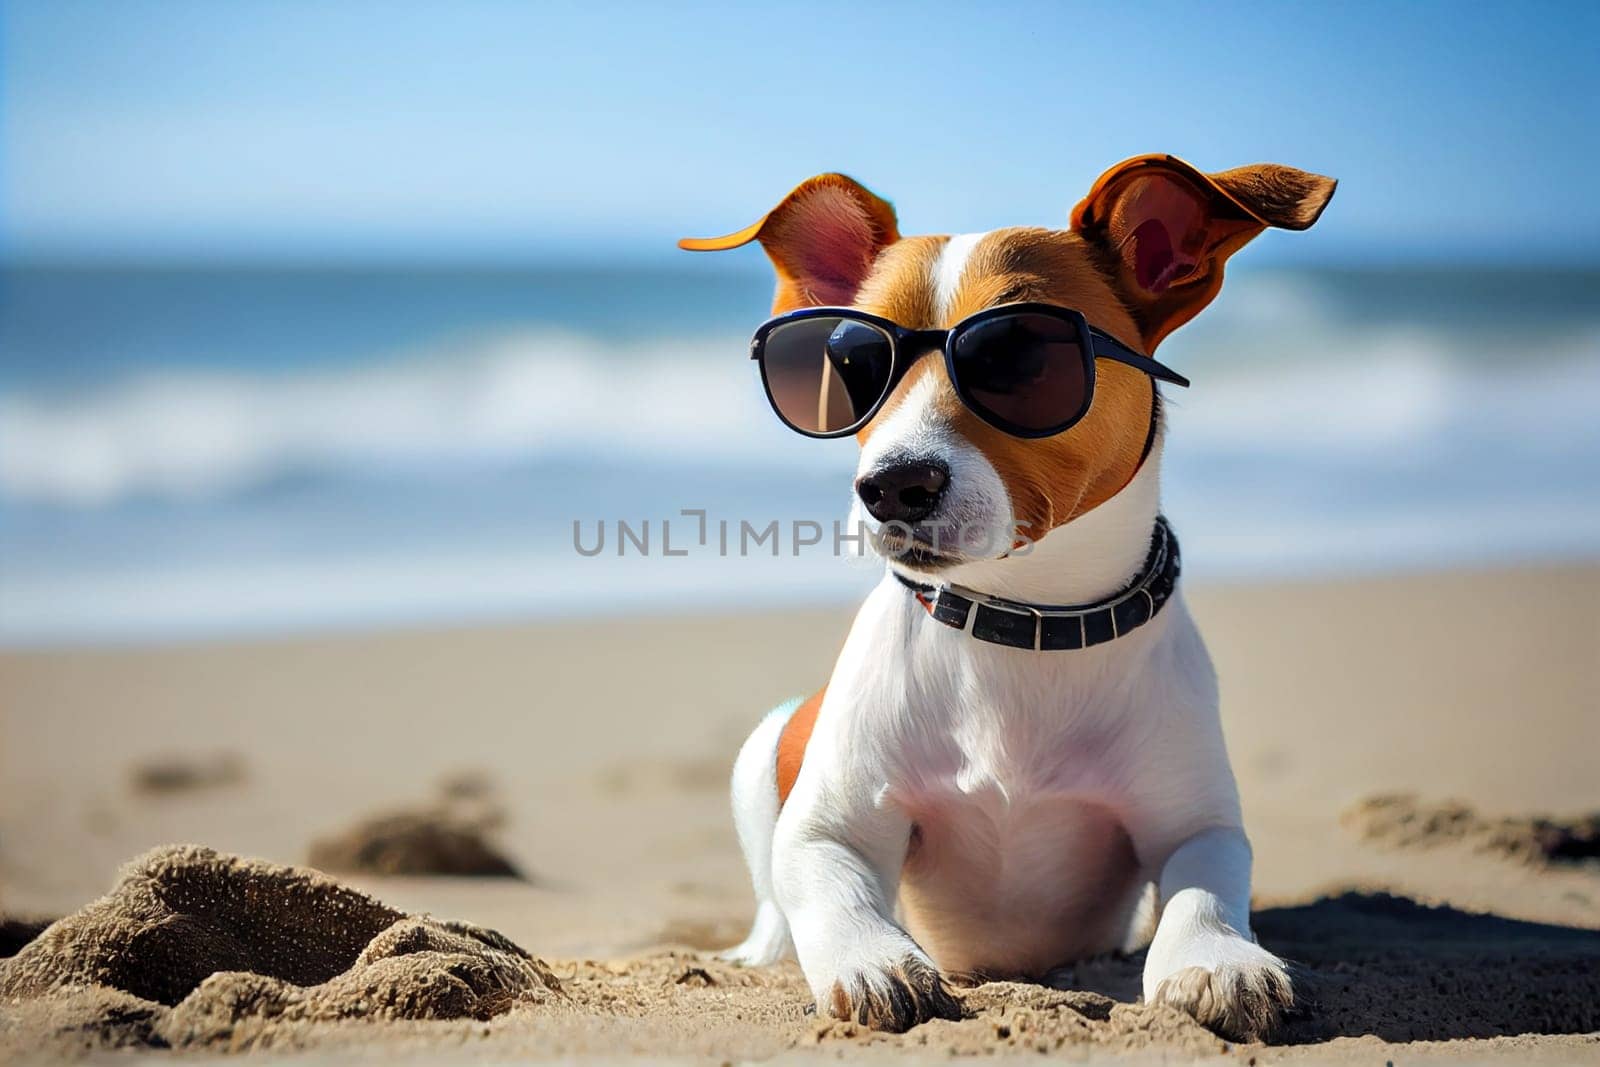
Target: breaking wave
[{"x": 517, "y": 398}]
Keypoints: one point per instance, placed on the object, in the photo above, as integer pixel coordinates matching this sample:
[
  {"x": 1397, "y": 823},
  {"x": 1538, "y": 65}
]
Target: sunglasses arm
[{"x": 1108, "y": 347}]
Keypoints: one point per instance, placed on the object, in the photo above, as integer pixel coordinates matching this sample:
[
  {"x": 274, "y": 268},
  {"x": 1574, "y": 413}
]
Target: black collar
[{"x": 1048, "y": 626}]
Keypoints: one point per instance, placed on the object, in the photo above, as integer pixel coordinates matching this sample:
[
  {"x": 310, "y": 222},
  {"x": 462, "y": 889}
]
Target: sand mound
[
  {"x": 411, "y": 842},
  {"x": 194, "y": 947},
  {"x": 1403, "y": 821},
  {"x": 182, "y": 773},
  {"x": 449, "y": 836}
]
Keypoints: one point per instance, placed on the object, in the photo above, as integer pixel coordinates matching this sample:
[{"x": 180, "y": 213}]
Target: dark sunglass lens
[
  {"x": 825, "y": 374},
  {"x": 1025, "y": 369}
]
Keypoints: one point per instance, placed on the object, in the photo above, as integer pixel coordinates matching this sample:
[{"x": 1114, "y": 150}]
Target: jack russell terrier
[{"x": 1018, "y": 760}]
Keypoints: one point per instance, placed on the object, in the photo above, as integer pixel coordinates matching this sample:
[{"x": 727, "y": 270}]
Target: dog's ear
[
  {"x": 1168, "y": 228},
  {"x": 821, "y": 238}
]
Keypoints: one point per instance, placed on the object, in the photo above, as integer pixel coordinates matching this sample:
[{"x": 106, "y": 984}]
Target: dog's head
[{"x": 1145, "y": 253}]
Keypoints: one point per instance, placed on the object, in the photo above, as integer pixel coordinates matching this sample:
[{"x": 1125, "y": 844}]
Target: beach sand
[{"x": 1395, "y": 739}]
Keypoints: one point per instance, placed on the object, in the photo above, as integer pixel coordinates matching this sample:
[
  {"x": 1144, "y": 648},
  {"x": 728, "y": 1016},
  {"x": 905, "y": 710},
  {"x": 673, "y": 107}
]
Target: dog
[{"x": 1018, "y": 760}]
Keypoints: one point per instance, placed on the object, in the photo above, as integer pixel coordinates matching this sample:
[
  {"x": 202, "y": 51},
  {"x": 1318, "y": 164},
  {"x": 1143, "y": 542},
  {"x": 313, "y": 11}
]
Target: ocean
[{"x": 203, "y": 452}]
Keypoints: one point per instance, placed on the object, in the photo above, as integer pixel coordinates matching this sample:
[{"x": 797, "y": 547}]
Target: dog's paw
[
  {"x": 768, "y": 941},
  {"x": 1241, "y": 999},
  {"x": 893, "y": 998},
  {"x": 752, "y": 953}
]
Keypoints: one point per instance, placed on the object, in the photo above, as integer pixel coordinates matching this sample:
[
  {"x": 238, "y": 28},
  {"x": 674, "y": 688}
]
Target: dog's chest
[
  {"x": 1014, "y": 870},
  {"x": 999, "y": 731},
  {"x": 1019, "y": 859}
]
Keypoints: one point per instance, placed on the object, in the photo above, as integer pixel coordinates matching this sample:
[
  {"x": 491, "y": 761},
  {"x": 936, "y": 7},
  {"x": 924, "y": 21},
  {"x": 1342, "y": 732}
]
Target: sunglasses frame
[{"x": 1093, "y": 344}]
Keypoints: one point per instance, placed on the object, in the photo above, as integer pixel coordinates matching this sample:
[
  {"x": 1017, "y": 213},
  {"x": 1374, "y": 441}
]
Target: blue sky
[{"x": 457, "y": 130}]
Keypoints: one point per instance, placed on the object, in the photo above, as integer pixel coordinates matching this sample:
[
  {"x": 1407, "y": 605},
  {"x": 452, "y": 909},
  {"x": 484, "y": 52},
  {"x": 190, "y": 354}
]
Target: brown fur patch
[
  {"x": 1278, "y": 195},
  {"x": 793, "y": 740},
  {"x": 900, "y": 285}
]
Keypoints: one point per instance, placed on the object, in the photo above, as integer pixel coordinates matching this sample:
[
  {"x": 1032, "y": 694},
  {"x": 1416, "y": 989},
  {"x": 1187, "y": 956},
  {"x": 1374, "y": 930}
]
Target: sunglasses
[{"x": 1025, "y": 369}]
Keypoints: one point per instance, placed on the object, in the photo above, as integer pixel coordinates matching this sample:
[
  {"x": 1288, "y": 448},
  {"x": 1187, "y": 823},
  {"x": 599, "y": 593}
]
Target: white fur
[
  {"x": 1087, "y": 559},
  {"x": 975, "y": 499},
  {"x": 951, "y": 265},
  {"x": 755, "y": 811}
]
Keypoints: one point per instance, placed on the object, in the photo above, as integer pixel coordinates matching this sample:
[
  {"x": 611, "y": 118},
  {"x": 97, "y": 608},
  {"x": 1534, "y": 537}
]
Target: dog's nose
[{"x": 905, "y": 492}]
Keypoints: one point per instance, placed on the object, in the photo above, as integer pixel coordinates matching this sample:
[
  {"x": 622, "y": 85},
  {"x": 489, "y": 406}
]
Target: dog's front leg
[
  {"x": 837, "y": 858},
  {"x": 1203, "y": 959}
]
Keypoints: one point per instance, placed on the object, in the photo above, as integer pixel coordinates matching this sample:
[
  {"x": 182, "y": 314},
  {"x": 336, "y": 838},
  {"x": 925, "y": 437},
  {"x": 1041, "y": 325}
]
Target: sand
[
  {"x": 192, "y": 947},
  {"x": 449, "y": 836},
  {"x": 1416, "y": 756},
  {"x": 1405, "y": 821},
  {"x": 181, "y": 772}
]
